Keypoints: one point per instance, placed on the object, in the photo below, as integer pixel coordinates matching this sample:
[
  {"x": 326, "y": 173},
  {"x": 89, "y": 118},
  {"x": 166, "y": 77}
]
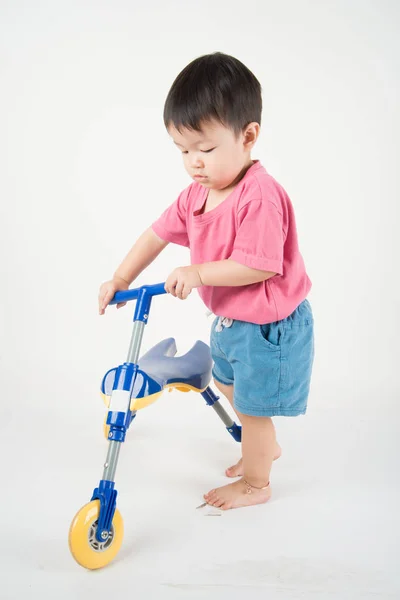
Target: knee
[
  {"x": 252, "y": 419},
  {"x": 224, "y": 389},
  {"x": 217, "y": 384}
]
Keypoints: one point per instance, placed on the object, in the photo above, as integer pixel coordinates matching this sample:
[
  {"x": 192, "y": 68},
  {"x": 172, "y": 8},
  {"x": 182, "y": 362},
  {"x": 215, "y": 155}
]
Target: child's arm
[
  {"x": 219, "y": 273},
  {"x": 141, "y": 255},
  {"x": 257, "y": 253},
  {"x": 143, "y": 252},
  {"x": 231, "y": 273}
]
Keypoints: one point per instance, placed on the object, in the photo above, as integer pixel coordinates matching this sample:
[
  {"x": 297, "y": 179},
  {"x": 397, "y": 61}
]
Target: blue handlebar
[
  {"x": 149, "y": 290},
  {"x": 144, "y": 296}
]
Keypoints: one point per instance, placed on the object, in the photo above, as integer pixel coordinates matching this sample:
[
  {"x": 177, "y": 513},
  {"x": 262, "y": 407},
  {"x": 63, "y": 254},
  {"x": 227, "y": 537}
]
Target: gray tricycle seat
[{"x": 191, "y": 370}]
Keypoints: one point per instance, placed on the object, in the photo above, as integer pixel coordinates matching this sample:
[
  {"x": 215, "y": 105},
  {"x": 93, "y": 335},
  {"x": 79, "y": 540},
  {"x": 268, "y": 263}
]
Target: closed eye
[{"x": 204, "y": 151}]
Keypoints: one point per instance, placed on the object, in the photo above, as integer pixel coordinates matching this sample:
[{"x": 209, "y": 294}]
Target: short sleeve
[
  {"x": 171, "y": 225},
  {"x": 259, "y": 238}
]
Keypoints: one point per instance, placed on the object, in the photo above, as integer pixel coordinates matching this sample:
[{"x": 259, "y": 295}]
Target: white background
[{"x": 85, "y": 166}]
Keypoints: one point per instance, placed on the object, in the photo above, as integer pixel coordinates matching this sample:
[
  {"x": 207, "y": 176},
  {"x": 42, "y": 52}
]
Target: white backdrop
[{"x": 86, "y": 165}]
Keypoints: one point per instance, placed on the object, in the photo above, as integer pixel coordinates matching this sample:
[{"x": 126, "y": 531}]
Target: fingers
[
  {"x": 170, "y": 286},
  {"x": 104, "y": 299},
  {"x": 101, "y": 305},
  {"x": 179, "y": 284},
  {"x": 179, "y": 289},
  {"x": 107, "y": 292},
  {"x": 185, "y": 292},
  {"x": 107, "y": 297}
]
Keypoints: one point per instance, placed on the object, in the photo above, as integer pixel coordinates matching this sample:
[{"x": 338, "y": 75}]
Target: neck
[{"x": 249, "y": 163}]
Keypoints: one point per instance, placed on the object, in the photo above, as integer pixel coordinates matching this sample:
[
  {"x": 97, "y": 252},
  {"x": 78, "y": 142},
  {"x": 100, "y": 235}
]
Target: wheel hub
[{"x": 94, "y": 542}]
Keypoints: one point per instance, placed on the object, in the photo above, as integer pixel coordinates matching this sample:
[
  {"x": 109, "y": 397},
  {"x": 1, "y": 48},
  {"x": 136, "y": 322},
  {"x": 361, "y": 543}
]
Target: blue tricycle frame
[{"x": 96, "y": 532}]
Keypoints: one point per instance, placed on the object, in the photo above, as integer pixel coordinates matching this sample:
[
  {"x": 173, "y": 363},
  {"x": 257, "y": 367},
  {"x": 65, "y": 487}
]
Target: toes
[
  {"x": 218, "y": 503},
  {"x": 232, "y": 471},
  {"x": 210, "y": 496},
  {"x": 215, "y": 502}
]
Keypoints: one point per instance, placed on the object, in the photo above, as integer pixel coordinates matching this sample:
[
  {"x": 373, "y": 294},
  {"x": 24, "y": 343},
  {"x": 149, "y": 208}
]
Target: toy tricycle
[{"x": 96, "y": 532}]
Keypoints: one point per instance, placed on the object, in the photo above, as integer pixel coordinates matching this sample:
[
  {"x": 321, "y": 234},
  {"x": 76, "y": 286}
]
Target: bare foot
[
  {"x": 237, "y": 470},
  {"x": 234, "y": 495}
]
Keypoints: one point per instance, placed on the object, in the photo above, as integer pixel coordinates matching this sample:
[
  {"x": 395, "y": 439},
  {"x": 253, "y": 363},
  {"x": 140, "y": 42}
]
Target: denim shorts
[{"x": 269, "y": 365}]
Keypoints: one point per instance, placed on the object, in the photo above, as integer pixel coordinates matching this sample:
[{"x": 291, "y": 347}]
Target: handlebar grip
[{"x": 150, "y": 290}]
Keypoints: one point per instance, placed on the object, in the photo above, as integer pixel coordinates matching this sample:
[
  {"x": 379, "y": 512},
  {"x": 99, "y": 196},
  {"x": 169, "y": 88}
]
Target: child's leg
[
  {"x": 237, "y": 470},
  {"x": 258, "y": 445}
]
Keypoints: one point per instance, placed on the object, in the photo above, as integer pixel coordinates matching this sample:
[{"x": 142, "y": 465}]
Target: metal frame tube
[
  {"x": 110, "y": 465},
  {"x": 136, "y": 342},
  {"x": 223, "y": 415}
]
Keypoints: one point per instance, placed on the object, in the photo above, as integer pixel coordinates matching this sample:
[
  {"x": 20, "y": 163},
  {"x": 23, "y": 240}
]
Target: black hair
[{"x": 214, "y": 87}]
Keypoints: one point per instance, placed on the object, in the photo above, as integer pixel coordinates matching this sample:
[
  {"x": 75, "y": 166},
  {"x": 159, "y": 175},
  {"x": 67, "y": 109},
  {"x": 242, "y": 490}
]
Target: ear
[{"x": 250, "y": 135}]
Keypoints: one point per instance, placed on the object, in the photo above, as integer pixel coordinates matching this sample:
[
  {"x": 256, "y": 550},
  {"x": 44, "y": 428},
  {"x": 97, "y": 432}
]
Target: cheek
[
  {"x": 218, "y": 161},
  {"x": 224, "y": 164}
]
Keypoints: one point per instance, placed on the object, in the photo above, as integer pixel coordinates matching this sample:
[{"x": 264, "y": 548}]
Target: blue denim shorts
[{"x": 269, "y": 365}]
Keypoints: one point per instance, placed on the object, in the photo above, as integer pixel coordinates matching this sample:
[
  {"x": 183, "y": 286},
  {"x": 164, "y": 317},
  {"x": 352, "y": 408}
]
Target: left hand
[{"x": 182, "y": 280}]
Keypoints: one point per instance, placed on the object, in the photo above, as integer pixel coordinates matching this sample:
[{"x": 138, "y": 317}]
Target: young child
[{"x": 245, "y": 262}]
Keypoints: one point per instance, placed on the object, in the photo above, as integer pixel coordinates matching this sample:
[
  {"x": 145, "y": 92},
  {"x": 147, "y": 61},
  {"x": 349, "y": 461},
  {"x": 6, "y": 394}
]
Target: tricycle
[{"x": 96, "y": 532}]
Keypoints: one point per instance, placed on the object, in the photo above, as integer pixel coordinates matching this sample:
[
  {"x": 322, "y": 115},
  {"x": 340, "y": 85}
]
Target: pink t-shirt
[{"x": 254, "y": 226}]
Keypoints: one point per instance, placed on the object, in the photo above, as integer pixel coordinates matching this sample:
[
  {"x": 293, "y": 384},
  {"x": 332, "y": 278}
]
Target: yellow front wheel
[{"x": 83, "y": 544}]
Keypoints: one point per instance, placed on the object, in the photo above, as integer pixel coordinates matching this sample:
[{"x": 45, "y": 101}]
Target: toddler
[{"x": 245, "y": 262}]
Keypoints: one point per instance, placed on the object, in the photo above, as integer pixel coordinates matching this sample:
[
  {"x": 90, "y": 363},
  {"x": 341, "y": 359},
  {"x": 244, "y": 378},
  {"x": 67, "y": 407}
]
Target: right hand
[{"x": 108, "y": 290}]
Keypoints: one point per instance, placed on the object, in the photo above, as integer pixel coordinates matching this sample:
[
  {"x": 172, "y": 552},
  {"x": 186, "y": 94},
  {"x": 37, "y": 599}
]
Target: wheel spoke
[{"x": 94, "y": 542}]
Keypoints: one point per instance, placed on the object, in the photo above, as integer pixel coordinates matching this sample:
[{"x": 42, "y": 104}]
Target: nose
[{"x": 196, "y": 162}]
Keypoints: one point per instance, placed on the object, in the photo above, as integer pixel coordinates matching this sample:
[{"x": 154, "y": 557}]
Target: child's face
[{"x": 215, "y": 156}]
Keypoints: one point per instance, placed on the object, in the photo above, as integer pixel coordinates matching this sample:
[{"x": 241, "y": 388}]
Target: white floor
[{"x": 330, "y": 531}]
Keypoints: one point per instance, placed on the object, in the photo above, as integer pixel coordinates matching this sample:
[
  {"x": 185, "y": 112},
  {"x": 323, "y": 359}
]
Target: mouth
[{"x": 199, "y": 177}]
